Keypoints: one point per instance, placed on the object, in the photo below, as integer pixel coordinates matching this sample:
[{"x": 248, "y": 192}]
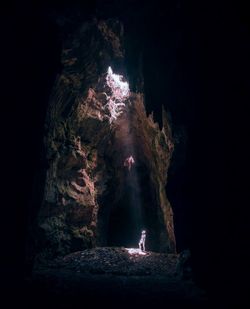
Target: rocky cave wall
[{"x": 86, "y": 180}]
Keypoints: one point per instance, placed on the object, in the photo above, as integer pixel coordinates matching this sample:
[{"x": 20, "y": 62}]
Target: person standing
[{"x": 142, "y": 240}]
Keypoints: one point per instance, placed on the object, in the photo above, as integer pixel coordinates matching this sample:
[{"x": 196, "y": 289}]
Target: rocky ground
[
  {"x": 115, "y": 277},
  {"x": 117, "y": 261}
]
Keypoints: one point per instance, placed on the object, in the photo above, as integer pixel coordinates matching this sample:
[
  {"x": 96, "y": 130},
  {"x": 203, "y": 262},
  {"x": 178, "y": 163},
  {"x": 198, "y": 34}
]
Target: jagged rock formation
[{"x": 90, "y": 198}]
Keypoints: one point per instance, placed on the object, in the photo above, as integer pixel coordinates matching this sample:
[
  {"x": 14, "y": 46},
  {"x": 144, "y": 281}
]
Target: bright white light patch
[
  {"x": 119, "y": 88},
  {"x": 119, "y": 94},
  {"x": 133, "y": 251}
]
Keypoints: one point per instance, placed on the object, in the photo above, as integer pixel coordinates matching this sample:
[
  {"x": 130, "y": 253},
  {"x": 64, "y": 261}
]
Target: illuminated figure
[
  {"x": 142, "y": 241},
  {"x": 129, "y": 162}
]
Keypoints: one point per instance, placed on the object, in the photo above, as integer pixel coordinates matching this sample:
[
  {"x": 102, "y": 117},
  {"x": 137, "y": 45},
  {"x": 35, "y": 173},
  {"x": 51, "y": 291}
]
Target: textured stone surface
[
  {"x": 117, "y": 261},
  {"x": 115, "y": 277},
  {"x": 86, "y": 180}
]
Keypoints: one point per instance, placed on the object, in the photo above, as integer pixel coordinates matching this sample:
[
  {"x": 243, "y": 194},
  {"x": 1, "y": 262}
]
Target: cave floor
[{"x": 115, "y": 277}]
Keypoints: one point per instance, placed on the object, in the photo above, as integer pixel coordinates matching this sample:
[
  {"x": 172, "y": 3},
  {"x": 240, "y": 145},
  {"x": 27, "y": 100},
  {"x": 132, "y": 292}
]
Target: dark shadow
[{"x": 135, "y": 209}]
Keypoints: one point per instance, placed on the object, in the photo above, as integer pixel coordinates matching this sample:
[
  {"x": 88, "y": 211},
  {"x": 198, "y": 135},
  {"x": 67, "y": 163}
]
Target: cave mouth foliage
[{"x": 94, "y": 124}]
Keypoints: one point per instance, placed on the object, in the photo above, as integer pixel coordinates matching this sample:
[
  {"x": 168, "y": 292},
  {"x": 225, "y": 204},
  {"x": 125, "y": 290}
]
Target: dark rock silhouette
[{"x": 111, "y": 276}]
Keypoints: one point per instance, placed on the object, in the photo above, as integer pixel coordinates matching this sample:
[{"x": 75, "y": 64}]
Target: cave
[
  {"x": 191, "y": 63},
  {"x": 107, "y": 157}
]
